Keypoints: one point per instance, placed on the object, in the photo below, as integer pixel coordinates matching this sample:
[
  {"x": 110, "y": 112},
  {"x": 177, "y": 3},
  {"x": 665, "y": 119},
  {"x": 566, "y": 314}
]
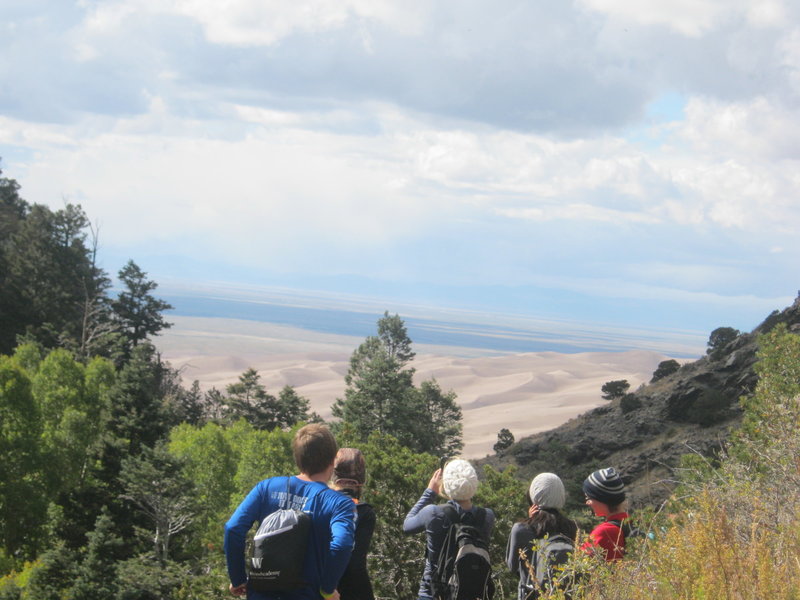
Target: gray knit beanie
[
  {"x": 547, "y": 491},
  {"x": 606, "y": 486}
]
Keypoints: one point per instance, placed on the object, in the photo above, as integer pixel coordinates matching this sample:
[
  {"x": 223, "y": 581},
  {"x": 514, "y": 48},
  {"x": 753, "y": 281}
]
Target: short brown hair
[{"x": 314, "y": 448}]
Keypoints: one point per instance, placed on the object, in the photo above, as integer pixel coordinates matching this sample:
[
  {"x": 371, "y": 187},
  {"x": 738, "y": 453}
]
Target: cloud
[
  {"x": 644, "y": 146},
  {"x": 548, "y": 68},
  {"x": 687, "y": 17}
]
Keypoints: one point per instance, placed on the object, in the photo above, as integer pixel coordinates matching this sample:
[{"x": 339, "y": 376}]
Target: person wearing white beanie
[
  {"x": 546, "y": 497},
  {"x": 458, "y": 481}
]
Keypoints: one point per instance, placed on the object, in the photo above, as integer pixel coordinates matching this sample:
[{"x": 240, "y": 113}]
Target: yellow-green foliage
[{"x": 737, "y": 535}]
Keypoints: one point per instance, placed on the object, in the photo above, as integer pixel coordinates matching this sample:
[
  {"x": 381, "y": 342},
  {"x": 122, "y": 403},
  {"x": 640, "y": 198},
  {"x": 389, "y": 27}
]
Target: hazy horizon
[
  {"x": 596, "y": 165},
  {"x": 465, "y": 332}
]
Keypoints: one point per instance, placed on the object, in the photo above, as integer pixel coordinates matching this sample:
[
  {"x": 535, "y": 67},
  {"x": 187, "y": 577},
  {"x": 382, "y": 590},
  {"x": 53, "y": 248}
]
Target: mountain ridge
[{"x": 645, "y": 434}]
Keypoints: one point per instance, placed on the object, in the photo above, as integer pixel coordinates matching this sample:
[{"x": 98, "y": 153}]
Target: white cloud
[
  {"x": 460, "y": 140},
  {"x": 688, "y": 17},
  {"x": 263, "y": 22},
  {"x": 579, "y": 212}
]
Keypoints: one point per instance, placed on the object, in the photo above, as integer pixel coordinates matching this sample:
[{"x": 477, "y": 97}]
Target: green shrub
[{"x": 629, "y": 402}]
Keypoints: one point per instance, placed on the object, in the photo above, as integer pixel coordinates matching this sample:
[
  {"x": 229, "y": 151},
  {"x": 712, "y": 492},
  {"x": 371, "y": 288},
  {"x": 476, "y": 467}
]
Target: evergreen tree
[
  {"x": 381, "y": 397},
  {"x": 438, "y": 428},
  {"x": 54, "y": 574},
  {"x": 138, "y": 412},
  {"x": 378, "y": 391},
  {"x": 505, "y": 439},
  {"x": 293, "y": 408},
  {"x": 248, "y": 399},
  {"x": 96, "y": 577},
  {"x": 137, "y": 311},
  {"x": 13, "y": 210},
  {"x": 615, "y": 389},
  {"x": 47, "y": 275}
]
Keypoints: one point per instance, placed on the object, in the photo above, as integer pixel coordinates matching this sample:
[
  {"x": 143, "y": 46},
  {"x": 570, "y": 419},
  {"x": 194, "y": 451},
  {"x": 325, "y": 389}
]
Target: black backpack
[
  {"x": 279, "y": 550},
  {"x": 547, "y": 558},
  {"x": 463, "y": 571}
]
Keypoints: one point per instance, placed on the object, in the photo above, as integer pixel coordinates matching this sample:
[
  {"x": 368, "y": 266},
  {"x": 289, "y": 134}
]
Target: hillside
[{"x": 692, "y": 410}]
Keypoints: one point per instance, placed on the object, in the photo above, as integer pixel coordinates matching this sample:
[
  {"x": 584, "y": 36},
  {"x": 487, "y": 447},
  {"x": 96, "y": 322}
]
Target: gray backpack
[{"x": 548, "y": 557}]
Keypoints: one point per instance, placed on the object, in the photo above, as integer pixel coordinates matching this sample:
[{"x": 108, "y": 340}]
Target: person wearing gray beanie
[
  {"x": 458, "y": 481},
  {"x": 546, "y": 497},
  {"x": 605, "y": 495}
]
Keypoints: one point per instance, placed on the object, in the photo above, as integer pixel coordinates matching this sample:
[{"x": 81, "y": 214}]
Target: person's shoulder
[
  {"x": 430, "y": 512},
  {"x": 605, "y": 527},
  {"x": 488, "y": 512},
  {"x": 520, "y": 530},
  {"x": 335, "y": 496},
  {"x": 366, "y": 512},
  {"x": 265, "y": 484}
]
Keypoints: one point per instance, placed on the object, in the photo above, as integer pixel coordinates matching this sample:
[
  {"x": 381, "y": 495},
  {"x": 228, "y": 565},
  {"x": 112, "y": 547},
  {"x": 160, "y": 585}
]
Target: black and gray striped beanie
[{"x": 606, "y": 486}]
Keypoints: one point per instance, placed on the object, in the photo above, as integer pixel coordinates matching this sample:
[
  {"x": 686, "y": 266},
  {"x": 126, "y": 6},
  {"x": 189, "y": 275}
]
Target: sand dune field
[{"x": 524, "y": 393}]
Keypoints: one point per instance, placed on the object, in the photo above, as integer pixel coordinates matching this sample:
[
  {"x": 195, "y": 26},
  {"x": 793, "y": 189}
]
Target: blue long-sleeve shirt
[
  {"x": 430, "y": 518},
  {"x": 331, "y": 538}
]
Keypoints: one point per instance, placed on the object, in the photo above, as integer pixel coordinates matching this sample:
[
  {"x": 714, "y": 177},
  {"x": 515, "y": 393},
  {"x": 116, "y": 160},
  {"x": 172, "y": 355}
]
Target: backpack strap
[
  {"x": 624, "y": 527},
  {"x": 286, "y": 499},
  {"x": 480, "y": 518},
  {"x": 450, "y": 513}
]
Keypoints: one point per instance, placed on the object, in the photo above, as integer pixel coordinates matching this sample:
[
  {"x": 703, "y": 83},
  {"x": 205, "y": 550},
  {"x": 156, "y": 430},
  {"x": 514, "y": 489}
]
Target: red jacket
[{"x": 608, "y": 537}]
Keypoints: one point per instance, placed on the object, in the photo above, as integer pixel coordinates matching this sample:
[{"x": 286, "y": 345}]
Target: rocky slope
[{"x": 645, "y": 434}]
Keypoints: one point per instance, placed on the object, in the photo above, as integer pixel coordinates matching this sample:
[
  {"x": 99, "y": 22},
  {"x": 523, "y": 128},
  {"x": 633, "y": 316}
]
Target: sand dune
[{"x": 524, "y": 393}]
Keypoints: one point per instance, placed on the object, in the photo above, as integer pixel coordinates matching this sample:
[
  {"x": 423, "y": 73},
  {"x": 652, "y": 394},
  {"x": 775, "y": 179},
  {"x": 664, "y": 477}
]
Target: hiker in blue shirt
[
  {"x": 332, "y": 520},
  {"x": 459, "y": 482}
]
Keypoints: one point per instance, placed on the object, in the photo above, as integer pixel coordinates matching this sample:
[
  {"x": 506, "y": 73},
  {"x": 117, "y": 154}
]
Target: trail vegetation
[{"x": 116, "y": 477}]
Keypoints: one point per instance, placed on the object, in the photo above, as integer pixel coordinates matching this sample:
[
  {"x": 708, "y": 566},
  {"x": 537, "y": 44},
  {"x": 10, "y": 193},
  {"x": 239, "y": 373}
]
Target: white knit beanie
[
  {"x": 547, "y": 491},
  {"x": 459, "y": 480}
]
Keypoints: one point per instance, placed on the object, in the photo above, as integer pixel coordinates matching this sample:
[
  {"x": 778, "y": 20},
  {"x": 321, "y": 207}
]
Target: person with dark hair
[
  {"x": 605, "y": 495},
  {"x": 330, "y": 542},
  {"x": 349, "y": 476},
  {"x": 546, "y": 497}
]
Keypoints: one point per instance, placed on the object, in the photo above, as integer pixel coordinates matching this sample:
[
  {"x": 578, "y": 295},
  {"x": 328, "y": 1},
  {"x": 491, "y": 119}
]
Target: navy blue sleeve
[
  {"x": 419, "y": 515},
  {"x": 520, "y": 537}
]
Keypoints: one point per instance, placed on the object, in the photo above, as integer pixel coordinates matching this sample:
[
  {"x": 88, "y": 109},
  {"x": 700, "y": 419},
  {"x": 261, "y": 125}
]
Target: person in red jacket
[{"x": 605, "y": 495}]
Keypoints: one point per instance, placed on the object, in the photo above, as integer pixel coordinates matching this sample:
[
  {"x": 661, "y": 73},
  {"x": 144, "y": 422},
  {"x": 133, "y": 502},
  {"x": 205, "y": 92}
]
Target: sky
[{"x": 622, "y": 163}]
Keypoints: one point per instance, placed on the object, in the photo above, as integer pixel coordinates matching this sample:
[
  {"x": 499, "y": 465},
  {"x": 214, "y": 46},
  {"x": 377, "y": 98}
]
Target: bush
[
  {"x": 665, "y": 368},
  {"x": 615, "y": 389},
  {"x": 629, "y": 402},
  {"x": 719, "y": 339},
  {"x": 734, "y": 527}
]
